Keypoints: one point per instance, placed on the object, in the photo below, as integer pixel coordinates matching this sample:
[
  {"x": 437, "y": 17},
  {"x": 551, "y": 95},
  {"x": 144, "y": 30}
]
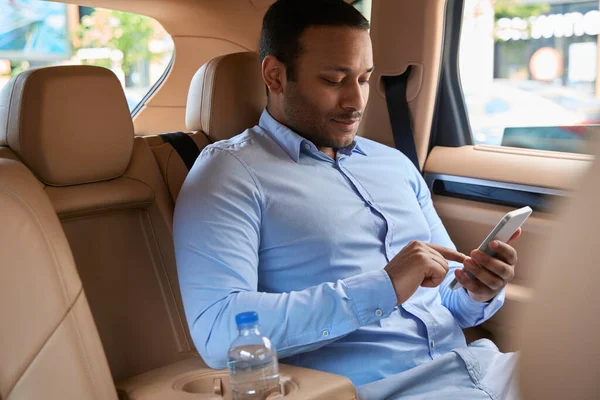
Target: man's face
[{"x": 326, "y": 100}]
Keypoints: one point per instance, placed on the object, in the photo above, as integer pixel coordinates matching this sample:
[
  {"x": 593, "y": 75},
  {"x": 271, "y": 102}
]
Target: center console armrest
[{"x": 191, "y": 379}]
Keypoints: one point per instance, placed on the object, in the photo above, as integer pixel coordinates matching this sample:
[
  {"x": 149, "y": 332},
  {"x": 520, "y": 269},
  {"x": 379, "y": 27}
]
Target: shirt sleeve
[
  {"x": 465, "y": 310},
  {"x": 217, "y": 228}
]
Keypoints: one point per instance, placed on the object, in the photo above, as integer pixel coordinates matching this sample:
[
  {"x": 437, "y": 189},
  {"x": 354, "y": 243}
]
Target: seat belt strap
[
  {"x": 184, "y": 145},
  {"x": 395, "y": 94}
]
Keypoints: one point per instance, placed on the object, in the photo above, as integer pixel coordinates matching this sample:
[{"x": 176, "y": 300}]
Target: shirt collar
[{"x": 291, "y": 142}]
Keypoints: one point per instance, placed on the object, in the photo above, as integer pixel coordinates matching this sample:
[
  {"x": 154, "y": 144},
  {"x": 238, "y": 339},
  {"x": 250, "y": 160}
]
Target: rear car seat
[
  {"x": 50, "y": 348},
  {"x": 71, "y": 127},
  {"x": 226, "y": 97},
  {"x": 172, "y": 167}
]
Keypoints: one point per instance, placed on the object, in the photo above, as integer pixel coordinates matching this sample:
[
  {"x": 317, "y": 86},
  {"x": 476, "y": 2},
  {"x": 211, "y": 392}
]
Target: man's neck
[
  {"x": 328, "y": 151},
  {"x": 276, "y": 113},
  {"x": 278, "y": 116}
]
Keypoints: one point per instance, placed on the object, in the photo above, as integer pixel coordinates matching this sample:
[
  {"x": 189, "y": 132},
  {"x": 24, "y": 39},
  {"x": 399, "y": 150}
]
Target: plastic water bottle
[{"x": 253, "y": 367}]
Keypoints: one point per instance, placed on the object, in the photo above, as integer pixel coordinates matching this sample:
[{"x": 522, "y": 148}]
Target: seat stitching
[
  {"x": 140, "y": 181},
  {"x": 167, "y": 170},
  {"x": 84, "y": 213},
  {"x": 84, "y": 353},
  {"x": 24, "y": 90},
  {"x": 37, "y": 353},
  {"x": 213, "y": 89},
  {"x": 45, "y": 235},
  {"x": 181, "y": 317},
  {"x": 10, "y": 100}
]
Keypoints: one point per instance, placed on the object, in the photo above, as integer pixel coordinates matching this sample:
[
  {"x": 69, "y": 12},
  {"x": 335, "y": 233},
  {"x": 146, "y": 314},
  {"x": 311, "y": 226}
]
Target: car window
[
  {"x": 529, "y": 72},
  {"x": 37, "y": 33},
  {"x": 364, "y": 6}
]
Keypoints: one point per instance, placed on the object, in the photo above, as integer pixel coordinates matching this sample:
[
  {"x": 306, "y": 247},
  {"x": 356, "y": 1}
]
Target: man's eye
[
  {"x": 365, "y": 82},
  {"x": 332, "y": 83}
]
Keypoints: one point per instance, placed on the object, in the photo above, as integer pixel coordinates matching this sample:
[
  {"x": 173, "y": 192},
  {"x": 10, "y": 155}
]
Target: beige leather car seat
[
  {"x": 72, "y": 128},
  {"x": 171, "y": 165},
  {"x": 226, "y": 96},
  {"x": 560, "y": 356},
  {"x": 50, "y": 348}
]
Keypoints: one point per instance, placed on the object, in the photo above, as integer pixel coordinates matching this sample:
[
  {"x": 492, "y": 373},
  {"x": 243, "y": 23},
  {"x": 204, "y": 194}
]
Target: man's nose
[{"x": 354, "y": 96}]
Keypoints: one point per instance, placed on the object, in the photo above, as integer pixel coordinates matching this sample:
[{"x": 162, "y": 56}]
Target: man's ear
[{"x": 273, "y": 73}]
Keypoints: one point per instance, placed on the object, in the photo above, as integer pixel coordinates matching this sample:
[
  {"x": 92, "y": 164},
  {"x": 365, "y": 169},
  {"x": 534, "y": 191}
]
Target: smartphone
[{"x": 503, "y": 231}]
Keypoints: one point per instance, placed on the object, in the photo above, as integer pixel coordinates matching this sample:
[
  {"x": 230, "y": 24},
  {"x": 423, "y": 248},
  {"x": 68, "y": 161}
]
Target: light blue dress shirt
[{"x": 266, "y": 222}]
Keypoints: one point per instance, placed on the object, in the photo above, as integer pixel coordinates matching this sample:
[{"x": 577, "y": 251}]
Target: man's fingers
[
  {"x": 447, "y": 253},
  {"x": 437, "y": 257},
  {"x": 431, "y": 282},
  {"x": 489, "y": 279},
  {"x": 478, "y": 289},
  {"x": 504, "y": 252},
  {"x": 437, "y": 273},
  {"x": 468, "y": 283},
  {"x": 498, "y": 267},
  {"x": 515, "y": 236}
]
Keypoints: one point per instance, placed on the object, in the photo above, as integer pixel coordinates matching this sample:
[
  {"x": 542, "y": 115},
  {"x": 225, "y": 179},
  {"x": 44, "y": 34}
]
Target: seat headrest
[
  {"x": 69, "y": 124},
  {"x": 227, "y": 96}
]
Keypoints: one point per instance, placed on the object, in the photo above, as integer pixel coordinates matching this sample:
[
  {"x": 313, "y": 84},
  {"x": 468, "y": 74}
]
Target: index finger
[
  {"x": 515, "y": 236},
  {"x": 447, "y": 253}
]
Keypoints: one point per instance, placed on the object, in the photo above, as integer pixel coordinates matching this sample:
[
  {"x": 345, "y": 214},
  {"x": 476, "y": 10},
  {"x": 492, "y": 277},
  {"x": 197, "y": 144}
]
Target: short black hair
[{"x": 286, "y": 20}]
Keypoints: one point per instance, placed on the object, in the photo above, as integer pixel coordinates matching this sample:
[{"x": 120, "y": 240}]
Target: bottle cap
[{"x": 246, "y": 319}]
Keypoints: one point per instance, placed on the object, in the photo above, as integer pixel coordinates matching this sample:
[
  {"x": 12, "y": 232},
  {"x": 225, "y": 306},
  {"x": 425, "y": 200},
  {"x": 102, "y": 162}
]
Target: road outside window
[{"x": 529, "y": 72}]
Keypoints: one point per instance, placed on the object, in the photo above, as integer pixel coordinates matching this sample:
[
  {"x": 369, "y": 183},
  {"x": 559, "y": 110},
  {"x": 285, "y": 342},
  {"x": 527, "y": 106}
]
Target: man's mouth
[{"x": 347, "y": 122}]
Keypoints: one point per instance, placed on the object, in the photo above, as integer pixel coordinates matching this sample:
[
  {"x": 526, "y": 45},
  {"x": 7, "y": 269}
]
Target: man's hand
[
  {"x": 420, "y": 264},
  {"x": 492, "y": 273}
]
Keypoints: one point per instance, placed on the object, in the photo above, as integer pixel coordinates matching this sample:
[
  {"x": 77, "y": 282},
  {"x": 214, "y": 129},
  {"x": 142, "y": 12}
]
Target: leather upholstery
[
  {"x": 172, "y": 167},
  {"x": 113, "y": 195},
  {"x": 226, "y": 96},
  {"x": 189, "y": 379},
  {"x": 119, "y": 229},
  {"x": 50, "y": 348},
  {"x": 69, "y": 125},
  {"x": 560, "y": 356},
  {"x": 121, "y": 236}
]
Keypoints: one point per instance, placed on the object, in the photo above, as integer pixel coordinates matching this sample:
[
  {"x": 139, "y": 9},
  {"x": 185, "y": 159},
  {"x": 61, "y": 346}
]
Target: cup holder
[{"x": 215, "y": 385}]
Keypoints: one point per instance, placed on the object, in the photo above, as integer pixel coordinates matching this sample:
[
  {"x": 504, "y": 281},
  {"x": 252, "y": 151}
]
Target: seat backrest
[
  {"x": 226, "y": 96},
  {"x": 560, "y": 356},
  {"x": 72, "y": 128},
  {"x": 50, "y": 348},
  {"x": 172, "y": 166}
]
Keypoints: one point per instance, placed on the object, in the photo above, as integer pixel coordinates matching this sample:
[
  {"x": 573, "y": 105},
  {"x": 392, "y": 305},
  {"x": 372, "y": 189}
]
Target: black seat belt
[
  {"x": 395, "y": 95},
  {"x": 184, "y": 145}
]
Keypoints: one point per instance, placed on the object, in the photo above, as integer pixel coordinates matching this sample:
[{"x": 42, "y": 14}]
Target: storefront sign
[{"x": 548, "y": 26}]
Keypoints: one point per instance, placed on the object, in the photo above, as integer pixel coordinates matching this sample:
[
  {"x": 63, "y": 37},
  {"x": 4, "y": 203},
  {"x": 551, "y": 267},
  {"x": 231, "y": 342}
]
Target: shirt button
[
  {"x": 378, "y": 312},
  {"x": 307, "y": 146},
  {"x": 432, "y": 343},
  {"x": 325, "y": 333}
]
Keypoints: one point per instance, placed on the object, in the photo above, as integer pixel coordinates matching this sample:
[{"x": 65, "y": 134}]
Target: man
[{"x": 331, "y": 238}]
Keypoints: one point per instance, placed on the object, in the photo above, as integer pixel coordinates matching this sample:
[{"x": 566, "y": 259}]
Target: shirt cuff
[
  {"x": 485, "y": 310},
  {"x": 372, "y": 295}
]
